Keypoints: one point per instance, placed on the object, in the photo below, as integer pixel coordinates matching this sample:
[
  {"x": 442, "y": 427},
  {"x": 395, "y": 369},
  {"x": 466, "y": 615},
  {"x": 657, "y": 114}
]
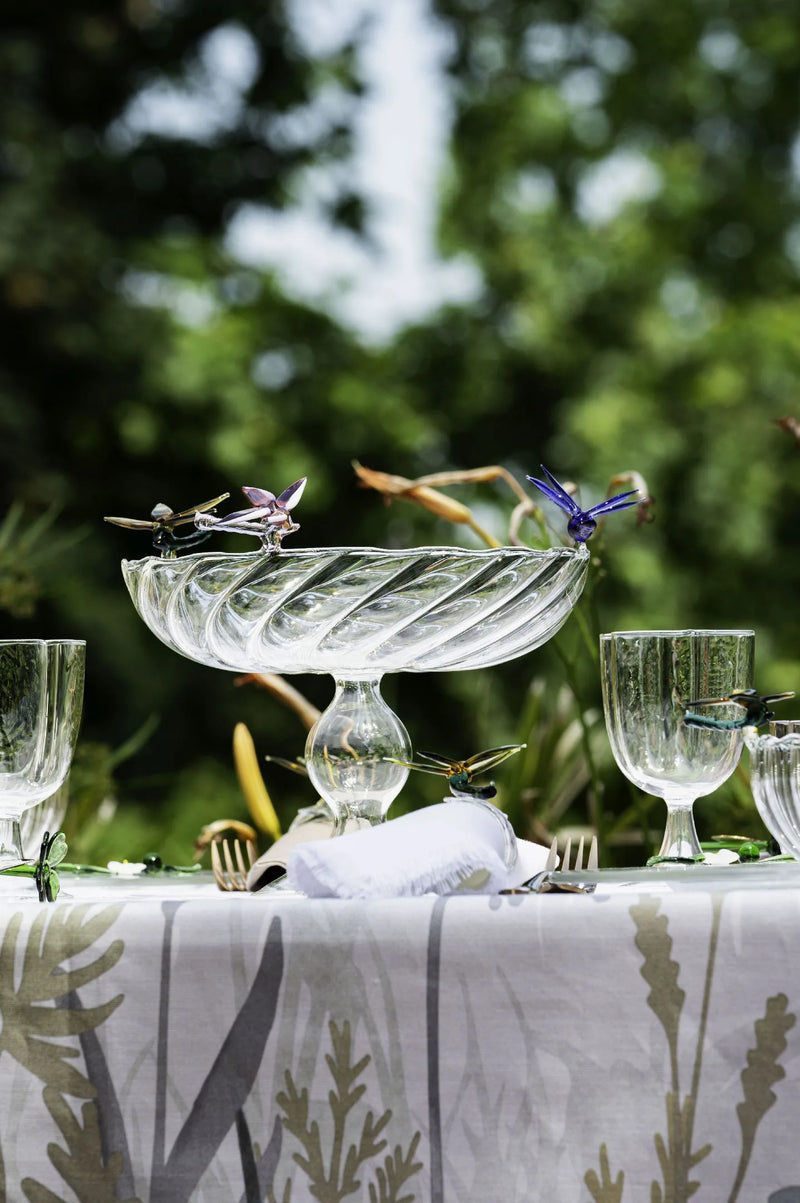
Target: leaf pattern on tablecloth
[
  {"x": 666, "y": 998},
  {"x": 111, "y": 1125},
  {"x": 332, "y": 1167},
  {"x": 95, "y": 1164},
  {"x": 348, "y": 1128},
  {"x": 761, "y": 1074},
  {"x": 42, "y": 1005},
  {"x": 676, "y": 1155},
  {"x": 604, "y": 1189},
  {"x": 30, "y": 1021},
  {"x": 91, "y": 1177},
  {"x": 226, "y": 1086}
]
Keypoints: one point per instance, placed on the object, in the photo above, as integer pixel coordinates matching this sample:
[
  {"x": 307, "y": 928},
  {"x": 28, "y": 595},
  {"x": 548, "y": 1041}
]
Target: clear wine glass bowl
[
  {"x": 357, "y": 613},
  {"x": 649, "y": 678},
  {"x": 41, "y": 697},
  {"x": 775, "y": 781}
]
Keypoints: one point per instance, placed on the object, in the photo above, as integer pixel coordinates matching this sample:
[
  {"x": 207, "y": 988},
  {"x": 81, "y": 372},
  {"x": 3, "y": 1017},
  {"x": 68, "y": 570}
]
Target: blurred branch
[
  {"x": 637, "y": 481},
  {"x": 284, "y": 692},
  {"x": 791, "y": 426}
]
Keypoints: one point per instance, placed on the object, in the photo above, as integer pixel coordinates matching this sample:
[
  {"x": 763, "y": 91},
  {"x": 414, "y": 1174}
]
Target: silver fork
[
  {"x": 591, "y": 862},
  {"x": 547, "y": 881},
  {"x": 232, "y": 874}
]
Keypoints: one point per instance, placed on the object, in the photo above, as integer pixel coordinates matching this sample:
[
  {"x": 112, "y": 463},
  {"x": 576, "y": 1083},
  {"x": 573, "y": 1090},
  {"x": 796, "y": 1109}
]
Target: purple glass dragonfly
[{"x": 269, "y": 517}]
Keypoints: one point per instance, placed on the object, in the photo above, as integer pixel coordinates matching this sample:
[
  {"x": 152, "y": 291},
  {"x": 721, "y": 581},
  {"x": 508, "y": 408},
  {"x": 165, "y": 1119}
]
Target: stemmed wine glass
[
  {"x": 649, "y": 678},
  {"x": 41, "y": 695}
]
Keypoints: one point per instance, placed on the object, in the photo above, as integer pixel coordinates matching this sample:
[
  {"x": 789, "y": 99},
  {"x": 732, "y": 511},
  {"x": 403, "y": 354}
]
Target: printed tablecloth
[{"x": 177, "y": 1044}]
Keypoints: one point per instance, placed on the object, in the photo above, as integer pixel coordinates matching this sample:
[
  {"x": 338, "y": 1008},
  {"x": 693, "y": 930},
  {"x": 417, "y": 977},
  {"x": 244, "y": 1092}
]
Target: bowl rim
[{"x": 579, "y": 552}]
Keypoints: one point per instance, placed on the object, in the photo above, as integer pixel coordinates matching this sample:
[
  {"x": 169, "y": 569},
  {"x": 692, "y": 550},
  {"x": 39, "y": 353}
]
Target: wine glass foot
[{"x": 653, "y": 861}]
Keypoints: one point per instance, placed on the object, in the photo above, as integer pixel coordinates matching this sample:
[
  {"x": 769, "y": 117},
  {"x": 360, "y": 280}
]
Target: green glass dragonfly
[
  {"x": 47, "y": 869},
  {"x": 294, "y": 766},
  {"x": 459, "y": 773},
  {"x": 162, "y": 523},
  {"x": 756, "y": 710},
  {"x": 52, "y": 853}
]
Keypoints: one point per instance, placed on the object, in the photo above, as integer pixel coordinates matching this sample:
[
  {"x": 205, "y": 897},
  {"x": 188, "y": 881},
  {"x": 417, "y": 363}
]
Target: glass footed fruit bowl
[{"x": 357, "y": 613}]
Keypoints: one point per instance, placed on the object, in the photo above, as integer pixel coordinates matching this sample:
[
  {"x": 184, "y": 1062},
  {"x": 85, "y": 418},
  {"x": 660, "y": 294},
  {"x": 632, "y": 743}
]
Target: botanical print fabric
[{"x": 576, "y": 1049}]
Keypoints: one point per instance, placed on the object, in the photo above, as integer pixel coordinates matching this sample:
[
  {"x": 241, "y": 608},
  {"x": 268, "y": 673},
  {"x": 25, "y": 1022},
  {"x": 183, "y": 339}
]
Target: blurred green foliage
[{"x": 625, "y": 180}]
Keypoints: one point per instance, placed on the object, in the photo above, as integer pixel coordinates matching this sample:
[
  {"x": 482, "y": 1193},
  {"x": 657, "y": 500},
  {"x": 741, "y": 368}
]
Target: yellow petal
[{"x": 255, "y": 791}]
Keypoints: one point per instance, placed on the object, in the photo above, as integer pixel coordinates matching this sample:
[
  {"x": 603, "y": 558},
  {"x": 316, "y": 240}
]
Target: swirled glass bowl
[
  {"x": 357, "y": 610},
  {"x": 357, "y": 613},
  {"x": 775, "y": 781}
]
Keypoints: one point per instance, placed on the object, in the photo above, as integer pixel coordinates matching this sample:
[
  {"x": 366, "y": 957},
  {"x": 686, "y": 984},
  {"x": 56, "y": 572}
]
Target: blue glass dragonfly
[
  {"x": 756, "y": 710},
  {"x": 459, "y": 773},
  {"x": 582, "y": 523}
]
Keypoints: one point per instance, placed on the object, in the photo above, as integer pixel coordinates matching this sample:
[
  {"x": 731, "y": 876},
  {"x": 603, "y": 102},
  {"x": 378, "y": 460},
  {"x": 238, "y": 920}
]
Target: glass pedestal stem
[{"x": 354, "y": 752}]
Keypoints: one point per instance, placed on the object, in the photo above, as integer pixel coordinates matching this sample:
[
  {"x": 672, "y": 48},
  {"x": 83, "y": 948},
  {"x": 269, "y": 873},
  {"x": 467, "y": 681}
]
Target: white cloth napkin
[
  {"x": 452, "y": 847},
  {"x": 271, "y": 865}
]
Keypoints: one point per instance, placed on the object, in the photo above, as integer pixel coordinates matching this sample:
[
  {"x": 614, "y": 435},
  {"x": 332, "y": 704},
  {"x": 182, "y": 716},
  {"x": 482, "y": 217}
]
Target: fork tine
[
  {"x": 216, "y": 868},
  {"x": 226, "y": 853},
  {"x": 593, "y": 863},
  {"x": 228, "y": 863},
  {"x": 238, "y": 880},
  {"x": 578, "y": 857},
  {"x": 567, "y": 853},
  {"x": 237, "y": 848},
  {"x": 552, "y": 856}
]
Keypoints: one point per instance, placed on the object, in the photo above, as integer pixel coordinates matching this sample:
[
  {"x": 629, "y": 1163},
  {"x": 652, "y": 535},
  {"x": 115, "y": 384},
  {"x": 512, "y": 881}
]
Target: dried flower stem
[
  {"x": 275, "y": 684},
  {"x": 424, "y": 491}
]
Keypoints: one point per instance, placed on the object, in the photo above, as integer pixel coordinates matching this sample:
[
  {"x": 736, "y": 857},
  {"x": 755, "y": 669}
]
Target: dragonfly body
[
  {"x": 756, "y": 710},
  {"x": 168, "y": 543},
  {"x": 582, "y": 523},
  {"x": 162, "y": 522},
  {"x": 459, "y": 773},
  {"x": 269, "y": 519}
]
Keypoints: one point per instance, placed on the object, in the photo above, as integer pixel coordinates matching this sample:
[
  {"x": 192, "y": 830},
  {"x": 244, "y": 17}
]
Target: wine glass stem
[
  {"x": 10, "y": 842},
  {"x": 680, "y": 836}
]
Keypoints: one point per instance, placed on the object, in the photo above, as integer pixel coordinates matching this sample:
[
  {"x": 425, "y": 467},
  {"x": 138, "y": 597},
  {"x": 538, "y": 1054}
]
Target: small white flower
[
  {"x": 725, "y": 856},
  {"x": 127, "y": 868}
]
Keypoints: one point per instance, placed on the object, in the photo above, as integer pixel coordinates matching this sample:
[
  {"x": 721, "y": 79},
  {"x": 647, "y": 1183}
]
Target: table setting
[{"x": 424, "y": 1007}]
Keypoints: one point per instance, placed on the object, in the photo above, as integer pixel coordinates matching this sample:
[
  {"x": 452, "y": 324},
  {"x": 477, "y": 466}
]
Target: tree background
[{"x": 624, "y": 179}]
